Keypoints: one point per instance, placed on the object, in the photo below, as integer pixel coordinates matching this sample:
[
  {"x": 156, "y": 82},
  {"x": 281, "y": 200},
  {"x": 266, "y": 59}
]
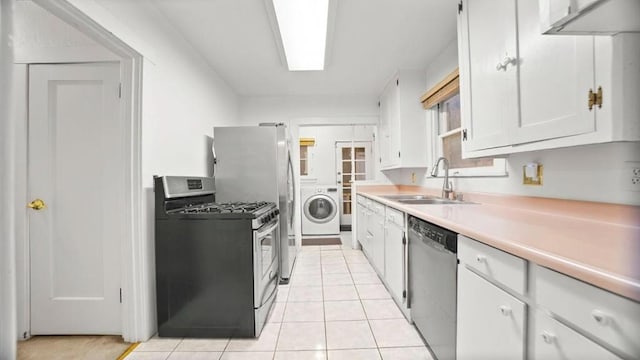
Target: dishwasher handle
[{"x": 429, "y": 242}]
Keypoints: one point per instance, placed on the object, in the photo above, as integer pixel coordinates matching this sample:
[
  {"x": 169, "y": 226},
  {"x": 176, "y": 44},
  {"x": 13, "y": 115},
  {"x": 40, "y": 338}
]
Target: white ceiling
[{"x": 371, "y": 40}]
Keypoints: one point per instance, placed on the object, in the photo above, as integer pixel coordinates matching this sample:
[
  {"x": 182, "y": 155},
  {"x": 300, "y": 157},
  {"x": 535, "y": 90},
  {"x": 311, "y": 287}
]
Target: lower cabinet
[
  {"x": 381, "y": 232},
  {"x": 361, "y": 219},
  {"x": 491, "y": 323},
  {"x": 562, "y": 318},
  {"x": 554, "y": 341},
  {"x": 394, "y": 251},
  {"x": 377, "y": 239}
]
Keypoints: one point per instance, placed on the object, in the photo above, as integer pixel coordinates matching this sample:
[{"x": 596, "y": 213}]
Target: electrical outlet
[{"x": 632, "y": 176}]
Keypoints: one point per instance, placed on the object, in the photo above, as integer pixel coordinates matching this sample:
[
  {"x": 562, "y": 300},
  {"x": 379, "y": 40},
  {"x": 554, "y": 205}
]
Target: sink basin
[
  {"x": 407, "y": 197},
  {"x": 430, "y": 201}
]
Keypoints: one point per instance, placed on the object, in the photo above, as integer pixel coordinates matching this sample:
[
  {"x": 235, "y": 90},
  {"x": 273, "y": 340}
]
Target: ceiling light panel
[{"x": 303, "y": 28}]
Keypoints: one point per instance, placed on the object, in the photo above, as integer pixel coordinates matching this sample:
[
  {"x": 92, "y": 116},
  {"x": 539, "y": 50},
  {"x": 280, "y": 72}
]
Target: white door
[
  {"x": 489, "y": 91},
  {"x": 491, "y": 323},
  {"x": 389, "y": 130},
  {"x": 353, "y": 160},
  {"x": 556, "y": 73},
  {"x": 76, "y": 142},
  {"x": 394, "y": 253}
]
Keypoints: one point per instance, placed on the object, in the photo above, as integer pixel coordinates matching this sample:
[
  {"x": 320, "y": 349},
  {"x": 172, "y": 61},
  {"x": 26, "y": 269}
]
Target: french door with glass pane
[{"x": 353, "y": 164}]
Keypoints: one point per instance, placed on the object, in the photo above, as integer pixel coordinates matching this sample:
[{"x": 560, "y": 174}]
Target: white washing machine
[{"x": 320, "y": 210}]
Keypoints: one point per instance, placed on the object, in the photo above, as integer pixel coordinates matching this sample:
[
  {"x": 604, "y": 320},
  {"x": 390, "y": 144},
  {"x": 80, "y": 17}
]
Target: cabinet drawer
[
  {"x": 552, "y": 340},
  {"x": 368, "y": 202},
  {"x": 361, "y": 200},
  {"x": 377, "y": 208},
  {"x": 495, "y": 264},
  {"x": 609, "y": 317},
  {"x": 395, "y": 217}
]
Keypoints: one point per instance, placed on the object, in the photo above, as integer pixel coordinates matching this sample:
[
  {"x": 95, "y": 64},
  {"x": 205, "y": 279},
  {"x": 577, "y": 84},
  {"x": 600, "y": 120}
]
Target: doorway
[
  {"x": 134, "y": 300},
  {"x": 76, "y": 186},
  {"x": 353, "y": 164}
]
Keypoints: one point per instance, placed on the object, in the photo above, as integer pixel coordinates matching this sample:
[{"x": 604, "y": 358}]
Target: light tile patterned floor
[{"x": 334, "y": 308}]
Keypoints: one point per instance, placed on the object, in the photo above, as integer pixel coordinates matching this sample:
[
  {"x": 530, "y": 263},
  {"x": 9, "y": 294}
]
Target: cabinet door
[
  {"x": 554, "y": 341},
  {"x": 491, "y": 323},
  {"x": 377, "y": 246},
  {"x": 361, "y": 225},
  {"x": 394, "y": 259},
  {"x": 556, "y": 73},
  {"x": 389, "y": 125},
  {"x": 489, "y": 94},
  {"x": 395, "y": 123}
]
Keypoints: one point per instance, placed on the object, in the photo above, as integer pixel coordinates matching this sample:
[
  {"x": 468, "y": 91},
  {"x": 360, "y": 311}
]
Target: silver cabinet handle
[
  {"x": 548, "y": 337},
  {"x": 481, "y": 258},
  {"x": 505, "y": 310},
  {"x": 600, "y": 317},
  {"x": 507, "y": 60}
]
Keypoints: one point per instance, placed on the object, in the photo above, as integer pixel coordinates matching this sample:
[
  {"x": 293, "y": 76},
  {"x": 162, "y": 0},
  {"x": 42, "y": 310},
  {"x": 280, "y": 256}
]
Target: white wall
[
  {"x": 7, "y": 236},
  {"x": 590, "y": 172},
  {"x": 257, "y": 109},
  {"x": 41, "y": 37}
]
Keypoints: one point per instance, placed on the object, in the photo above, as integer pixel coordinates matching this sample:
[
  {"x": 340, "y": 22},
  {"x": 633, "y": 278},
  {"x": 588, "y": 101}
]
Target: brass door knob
[{"x": 37, "y": 204}]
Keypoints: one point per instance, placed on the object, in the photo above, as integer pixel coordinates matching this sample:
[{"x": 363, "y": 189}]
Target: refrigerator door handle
[{"x": 293, "y": 186}]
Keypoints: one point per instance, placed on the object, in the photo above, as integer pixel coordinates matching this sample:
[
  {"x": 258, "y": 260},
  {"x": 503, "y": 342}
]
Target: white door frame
[{"x": 132, "y": 246}]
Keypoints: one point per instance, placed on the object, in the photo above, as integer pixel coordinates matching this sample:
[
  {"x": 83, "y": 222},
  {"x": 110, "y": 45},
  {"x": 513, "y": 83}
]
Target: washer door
[{"x": 320, "y": 209}]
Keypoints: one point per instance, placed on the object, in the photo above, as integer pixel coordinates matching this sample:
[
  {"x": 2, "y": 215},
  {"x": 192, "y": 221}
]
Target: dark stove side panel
[{"x": 204, "y": 278}]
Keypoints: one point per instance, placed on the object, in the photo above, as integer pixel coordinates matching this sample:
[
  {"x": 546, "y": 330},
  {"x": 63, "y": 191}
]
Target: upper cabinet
[
  {"x": 523, "y": 91},
  {"x": 556, "y": 76},
  {"x": 402, "y": 130},
  {"x": 488, "y": 72},
  {"x": 589, "y": 16}
]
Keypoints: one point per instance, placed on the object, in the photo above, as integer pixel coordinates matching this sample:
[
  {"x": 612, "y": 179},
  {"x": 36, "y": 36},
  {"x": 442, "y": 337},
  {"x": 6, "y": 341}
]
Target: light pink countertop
[{"x": 594, "y": 242}]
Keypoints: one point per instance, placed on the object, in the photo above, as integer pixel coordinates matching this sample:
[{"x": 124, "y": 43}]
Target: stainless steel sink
[
  {"x": 430, "y": 201},
  {"x": 407, "y": 197}
]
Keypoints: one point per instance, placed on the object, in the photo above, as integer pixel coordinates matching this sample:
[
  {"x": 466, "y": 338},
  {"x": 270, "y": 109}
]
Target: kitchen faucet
[{"x": 447, "y": 186}]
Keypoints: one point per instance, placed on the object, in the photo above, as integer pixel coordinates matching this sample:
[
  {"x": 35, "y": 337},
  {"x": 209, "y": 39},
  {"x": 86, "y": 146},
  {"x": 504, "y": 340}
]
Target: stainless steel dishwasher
[{"x": 433, "y": 265}]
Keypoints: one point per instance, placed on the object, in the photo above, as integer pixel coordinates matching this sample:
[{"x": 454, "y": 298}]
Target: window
[
  {"x": 305, "y": 155},
  {"x": 304, "y": 160},
  {"x": 443, "y": 104}
]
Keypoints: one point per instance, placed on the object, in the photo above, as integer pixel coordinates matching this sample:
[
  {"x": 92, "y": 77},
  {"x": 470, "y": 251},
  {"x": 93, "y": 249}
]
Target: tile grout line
[
  {"x": 324, "y": 313},
  {"x": 367, "y": 317}
]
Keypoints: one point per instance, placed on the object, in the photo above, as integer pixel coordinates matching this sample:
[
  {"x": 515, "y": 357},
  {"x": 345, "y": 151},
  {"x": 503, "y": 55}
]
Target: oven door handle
[
  {"x": 273, "y": 277},
  {"x": 269, "y": 228}
]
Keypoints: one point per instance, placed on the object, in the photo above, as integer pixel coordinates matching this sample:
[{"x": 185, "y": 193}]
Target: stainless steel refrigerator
[{"x": 253, "y": 163}]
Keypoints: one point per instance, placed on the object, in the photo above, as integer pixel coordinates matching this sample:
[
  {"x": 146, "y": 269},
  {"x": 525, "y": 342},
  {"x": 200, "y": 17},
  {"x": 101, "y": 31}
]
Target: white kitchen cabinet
[
  {"x": 361, "y": 219},
  {"x": 524, "y": 91},
  {"x": 491, "y": 323},
  {"x": 589, "y": 16},
  {"x": 394, "y": 250},
  {"x": 604, "y": 316},
  {"x": 496, "y": 265},
  {"x": 377, "y": 238},
  {"x": 402, "y": 127},
  {"x": 556, "y": 74},
  {"x": 387, "y": 135},
  {"x": 555, "y": 341},
  {"x": 489, "y": 95}
]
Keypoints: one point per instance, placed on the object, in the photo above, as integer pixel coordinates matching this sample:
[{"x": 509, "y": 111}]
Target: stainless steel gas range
[{"x": 216, "y": 263}]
